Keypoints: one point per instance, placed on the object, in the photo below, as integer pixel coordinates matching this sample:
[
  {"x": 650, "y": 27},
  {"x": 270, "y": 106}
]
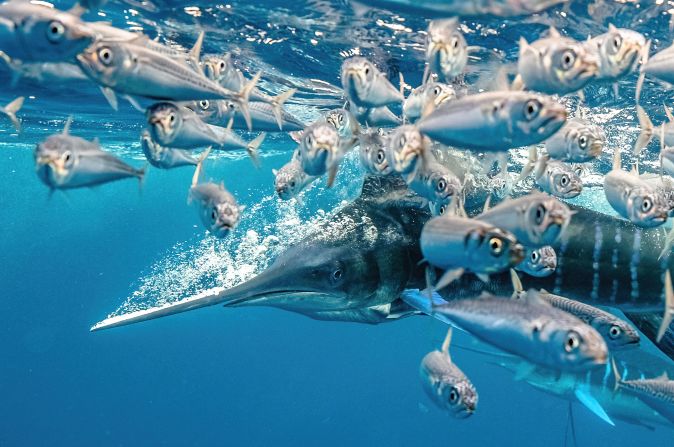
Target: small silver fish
[
  {"x": 32, "y": 32},
  {"x": 138, "y": 71},
  {"x": 662, "y": 185},
  {"x": 553, "y": 176},
  {"x": 458, "y": 244},
  {"x": 291, "y": 180},
  {"x": 536, "y": 219},
  {"x": 633, "y": 198},
  {"x": 446, "y": 50},
  {"x": 556, "y": 64},
  {"x": 617, "y": 51},
  {"x": 346, "y": 126},
  {"x": 320, "y": 150},
  {"x": 657, "y": 393},
  {"x": 494, "y": 121},
  {"x": 218, "y": 209},
  {"x": 539, "y": 262},
  {"x": 577, "y": 142},
  {"x": 373, "y": 154},
  {"x": 179, "y": 127},
  {"x": 64, "y": 161},
  {"x": 365, "y": 86},
  {"x": 262, "y": 115},
  {"x": 164, "y": 157},
  {"x": 617, "y": 333},
  {"x": 407, "y": 151},
  {"x": 426, "y": 98},
  {"x": 436, "y": 183},
  {"x": 661, "y": 65},
  {"x": 531, "y": 329},
  {"x": 445, "y": 384}
]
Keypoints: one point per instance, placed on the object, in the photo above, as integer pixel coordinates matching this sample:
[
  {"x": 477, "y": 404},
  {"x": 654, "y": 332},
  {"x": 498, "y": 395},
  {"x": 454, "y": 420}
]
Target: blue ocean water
[{"x": 247, "y": 376}]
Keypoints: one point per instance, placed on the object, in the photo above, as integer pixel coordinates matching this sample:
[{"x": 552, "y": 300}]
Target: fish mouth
[
  {"x": 596, "y": 148},
  {"x": 553, "y": 118}
]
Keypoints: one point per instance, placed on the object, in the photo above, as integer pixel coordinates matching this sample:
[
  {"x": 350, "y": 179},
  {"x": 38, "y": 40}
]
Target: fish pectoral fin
[
  {"x": 524, "y": 370},
  {"x": 583, "y": 395},
  {"x": 111, "y": 97},
  {"x": 449, "y": 277}
]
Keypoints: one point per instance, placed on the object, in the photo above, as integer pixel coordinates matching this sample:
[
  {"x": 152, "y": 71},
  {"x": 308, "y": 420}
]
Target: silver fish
[
  {"x": 531, "y": 329},
  {"x": 291, "y": 180},
  {"x": 458, "y": 244},
  {"x": 536, "y": 219},
  {"x": 617, "y": 51},
  {"x": 555, "y": 177},
  {"x": 179, "y": 127},
  {"x": 426, "y": 98},
  {"x": 494, "y": 121},
  {"x": 633, "y": 198},
  {"x": 660, "y": 65},
  {"x": 346, "y": 126},
  {"x": 320, "y": 150},
  {"x": 138, "y": 71},
  {"x": 556, "y": 64},
  {"x": 664, "y": 132},
  {"x": 64, "y": 161},
  {"x": 617, "y": 333},
  {"x": 445, "y": 384},
  {"x": 164, "y": 157},
  {"x": 446, "y": 50},
  {"x": 662, "y": 185},
  {"x": 657, "y": 393},
  {"x": 539, "y": 262},
  {"x": 32, "y": 32},
  {"x": 376, "y": 117},
  {"x": 446, "y": 8},
  {"x": 262, "y": 115},
  {"x": 373, "y": 154},
  {"x": 577, "y": 142},
  {"x": 365, "y": 86},
  {"x": 436, "y": 183},
  {"x": 218, "y": 209},
  {"x": 407, "y": 151}
]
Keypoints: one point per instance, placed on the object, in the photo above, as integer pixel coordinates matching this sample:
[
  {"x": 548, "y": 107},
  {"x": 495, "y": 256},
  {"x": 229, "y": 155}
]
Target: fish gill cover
[{"x": 81, "y": 82}]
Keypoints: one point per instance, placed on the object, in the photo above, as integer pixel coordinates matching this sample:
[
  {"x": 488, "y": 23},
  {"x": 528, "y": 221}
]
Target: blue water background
[{"x": 249, "y": 376}]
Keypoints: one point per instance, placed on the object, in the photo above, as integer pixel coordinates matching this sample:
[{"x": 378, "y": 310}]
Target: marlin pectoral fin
[
  {"x": 584, "y": 397},
  {"x": 524, "y": 370}
]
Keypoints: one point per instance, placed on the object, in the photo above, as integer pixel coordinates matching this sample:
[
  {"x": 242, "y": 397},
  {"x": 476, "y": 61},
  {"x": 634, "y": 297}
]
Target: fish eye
[
  {"x": 614, "y": 332},
  {"x": 568, "y": 58},
  {"x": 531, "y": 109},
  {"x": 436, "y": 91},
  {"x": 442, "y": 210},
  {"x": 367, "y": 71},
  {"x": 442, "y": 184},
  {"x": 564, "y": 180},
  {"x": 534, "y": 256},
  {"x": 402, "y": 141},
  {"x": 67, "y": 156},
  {"x": 380, "y": 156},
  {"x": 292, "y": 183},
  {"x": 646, "y": 205},
  {"x": 214, "y": 215},
  {"x": 540, "y": 214},
  {"x": 231, "y": 105},
  {"x": 572, "y": 342},
  {"x": 55, "y": 31},
  {"x": 222, "y": 65},
  {"x": 309, "y": 140},
  {"x": 105, "y": 55},
  {"x": 455, "y": 42},
  {"x": 578, "y": 171},
  {"x": 496, "y": 245},
  {"x": 204, "y": 104},
  {"x": 453, "y": 396},
  {"x": 582, "y": 141},
  {"x": 616, "y": 43},
  {"x": 337, "y": 274},
  {"x": 172, "y": 117}
]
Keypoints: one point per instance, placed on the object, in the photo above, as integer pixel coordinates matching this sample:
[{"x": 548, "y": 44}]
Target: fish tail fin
[
  {"x": 11, "y": 109},
  {"x": 642, "y": 74},
  {"x": 253, "y": 148},
  {"x": 669, "y": 308},
  {"x": 277, "y": 105},
  {"x": 242, "y": 99},
  {"x": 529, "y": 166},
  {"x": 584, "y": 396},
  {"x": 646, "y": 133},
  {"x": 197, "y": 172}
]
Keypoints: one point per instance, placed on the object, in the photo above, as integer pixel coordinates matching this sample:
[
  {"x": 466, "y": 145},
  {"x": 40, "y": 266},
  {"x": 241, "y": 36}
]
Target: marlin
[{"x": 368, "y": 253}]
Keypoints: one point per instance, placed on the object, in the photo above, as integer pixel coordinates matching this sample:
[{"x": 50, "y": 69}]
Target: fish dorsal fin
[
  {"x": 524, "y": 47},
  {"x": 66, "y": 127},
  {"x": 487, "y": 203},
  {"x": 669, "y": 308},
  {"x": 668, "y": 112},
  {"x": 663, "y": 376},
  {"x": 77, "y": 10},
  {"x": 195, "y": 52},
  {"x": 612, "y": 28},
  {"x": 274, "y": 171},
  {"x": 554, "y": 33},
  {"x": 517, "y": 283},
  {"x": 446, "y": 343}
]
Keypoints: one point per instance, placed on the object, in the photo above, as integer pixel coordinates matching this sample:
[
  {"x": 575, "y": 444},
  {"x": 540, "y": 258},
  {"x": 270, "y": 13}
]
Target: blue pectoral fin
[
  {"x": 584, "y": 397},
  {"x": 421, "y": 301}
]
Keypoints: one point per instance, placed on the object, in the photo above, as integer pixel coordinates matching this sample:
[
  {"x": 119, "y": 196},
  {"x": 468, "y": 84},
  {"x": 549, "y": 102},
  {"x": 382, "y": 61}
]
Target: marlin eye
[
  {"x": 540, "y": 214},
  {"x": 442, "y": 184},
  {"x": 496, "y": 245},
  {"x": 614, "y": 332},
  {"x": 568, "y": 58},
  {"x": 582, "y": 141},
  {"x": 55, "y": 31},
  {"x": 646, "y": 205},
  {"x": 337, "y": 274},
  {"x": 204, "y": 104},
  {"x": 380, "y": 156},
  {"x": 105, "y": 55},
  {"x": 534, "y": 256},
  {"x": 453, "y": 396},
  {"x": 564, "y": 180},
  {"x": 531, "y": 110},
  {"x": 572, "y": 342}
]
